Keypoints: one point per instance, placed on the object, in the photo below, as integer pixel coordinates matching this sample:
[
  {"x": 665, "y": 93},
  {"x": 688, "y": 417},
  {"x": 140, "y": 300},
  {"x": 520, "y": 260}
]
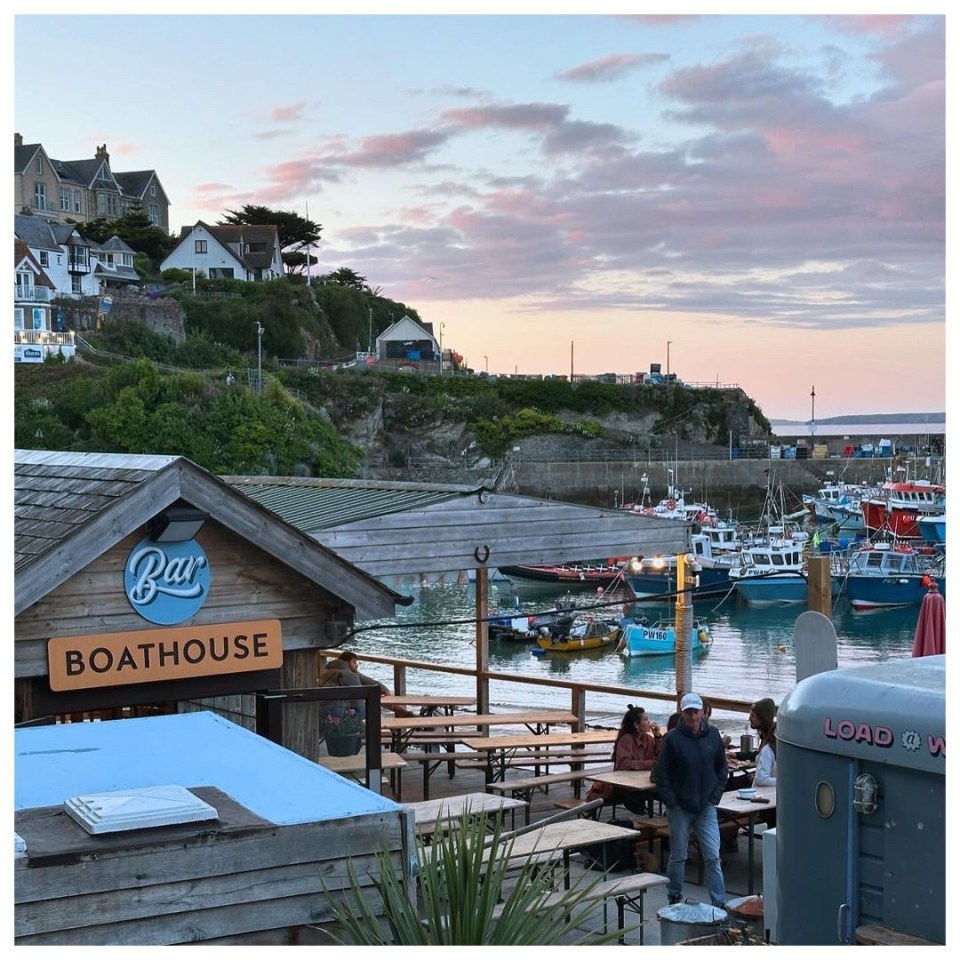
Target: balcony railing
[
  {"x": 78, "y": 266},
  {"x": 32, "y": 294},
  {"x": 48, "y": 338}
]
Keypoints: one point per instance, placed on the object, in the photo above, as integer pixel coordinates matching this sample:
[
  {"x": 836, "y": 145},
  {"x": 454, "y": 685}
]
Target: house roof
[
  {"x": 21, "y": 253},
  {"x": 402, "y": 528},
  {"x": 134, "y": 183},
  {"x": 35, "y": 232},
  {"x": 243, "y": 234},
  {"x": 24, "y": 155},
  {"x": 116, "y": 245},
  {"x": 71, "y": 507},
  {"x": 405, "y": 320}
]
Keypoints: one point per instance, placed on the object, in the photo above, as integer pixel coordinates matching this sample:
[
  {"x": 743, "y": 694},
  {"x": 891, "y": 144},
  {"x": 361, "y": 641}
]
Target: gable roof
[
  {"x": 24, "y": 155},
  {"x": 71, "y": 507},
  {"x": 21, "y": 254},
  {"x": 405, "y": 321},
  {"x": 402, "y": 528},
  {"x": 134, "y": 183},
  {"x": 35, "y": 232},
  {"x": 243, "y": 234}
]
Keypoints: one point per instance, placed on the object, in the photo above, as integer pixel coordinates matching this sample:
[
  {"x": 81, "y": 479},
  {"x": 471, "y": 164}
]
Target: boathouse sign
[
  {"x": 167, "y": 583},
  {"x": 147, "y": 656}
]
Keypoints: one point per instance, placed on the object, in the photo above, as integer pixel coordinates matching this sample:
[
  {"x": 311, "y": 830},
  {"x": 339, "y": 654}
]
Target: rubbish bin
[{"x": 689, "y": 920}]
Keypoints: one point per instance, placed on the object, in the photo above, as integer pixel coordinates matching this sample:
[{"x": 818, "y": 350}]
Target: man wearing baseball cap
[{"x": 691, "y": 777}]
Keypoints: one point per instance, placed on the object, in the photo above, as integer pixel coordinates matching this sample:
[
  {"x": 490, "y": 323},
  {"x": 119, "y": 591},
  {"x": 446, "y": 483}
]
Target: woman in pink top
[{"x": 635, "y": 748}]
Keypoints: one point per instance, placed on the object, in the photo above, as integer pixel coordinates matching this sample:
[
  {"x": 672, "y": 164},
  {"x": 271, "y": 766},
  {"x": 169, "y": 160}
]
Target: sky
[{"x": 744, "y": 199}]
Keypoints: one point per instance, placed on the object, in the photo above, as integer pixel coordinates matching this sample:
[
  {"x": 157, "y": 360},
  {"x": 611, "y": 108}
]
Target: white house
[
  {"x": 228, "y": 252},
  {"x": 35, "y": 327},
  {"x": 407, "y": 340}
]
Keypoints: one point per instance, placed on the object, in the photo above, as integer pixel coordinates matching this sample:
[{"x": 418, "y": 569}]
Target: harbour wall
[{"x": 737, "y": 485}]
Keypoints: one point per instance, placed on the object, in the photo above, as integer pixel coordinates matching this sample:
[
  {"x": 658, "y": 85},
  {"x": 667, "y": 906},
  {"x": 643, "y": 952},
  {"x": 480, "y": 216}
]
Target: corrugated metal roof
[{"x": 312, "y": 505}]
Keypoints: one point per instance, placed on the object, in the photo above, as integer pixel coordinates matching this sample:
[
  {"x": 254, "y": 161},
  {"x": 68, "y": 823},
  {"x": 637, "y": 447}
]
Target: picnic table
[
  {"x": 428, "y": 812},
  {"x": 447, "y": 704},
  {"x": 500, "y": 749},
  {"x": 403, "y": 730},
  {"x": 732, "y": 807}
]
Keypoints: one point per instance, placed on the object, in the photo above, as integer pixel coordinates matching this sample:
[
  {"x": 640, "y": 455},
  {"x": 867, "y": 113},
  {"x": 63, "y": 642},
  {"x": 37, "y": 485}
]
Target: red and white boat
[{"x": 897, "y": 505}]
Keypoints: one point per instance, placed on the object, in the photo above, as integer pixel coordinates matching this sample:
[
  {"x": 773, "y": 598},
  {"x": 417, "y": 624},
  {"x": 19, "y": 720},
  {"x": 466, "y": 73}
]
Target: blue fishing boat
[
  {"x": 774, "y": 574},
  {"x": 655, "y": 577},
  {"x": 893, "y": 575},
  {"x": 642, "y": 639},
  {"x": 933, "y": 527}
]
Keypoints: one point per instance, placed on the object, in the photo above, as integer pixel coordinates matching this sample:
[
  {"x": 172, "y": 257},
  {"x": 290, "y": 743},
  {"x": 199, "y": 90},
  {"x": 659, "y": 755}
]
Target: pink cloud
[
  {"x": 613, "y": 67},
  {"x": 392, "y": 149},
  {"x": 289, "y": 113},
  {"x": 521, "y": 116}
]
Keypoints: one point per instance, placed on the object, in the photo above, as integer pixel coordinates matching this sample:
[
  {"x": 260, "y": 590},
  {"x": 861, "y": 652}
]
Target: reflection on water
[{"x": 751, "y": 654}]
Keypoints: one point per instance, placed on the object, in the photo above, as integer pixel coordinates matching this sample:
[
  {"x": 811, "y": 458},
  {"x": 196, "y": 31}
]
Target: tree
[
  {"x": 296, "y": 233},
  {"x": 346, "y": 277},
  {"x": 135, "y": 230}
]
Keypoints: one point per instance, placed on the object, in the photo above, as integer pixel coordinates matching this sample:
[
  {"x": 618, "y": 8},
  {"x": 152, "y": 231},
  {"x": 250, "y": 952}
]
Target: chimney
[
  {"x": 18, "y": 140},
  {"x": 102, "y": 153}
]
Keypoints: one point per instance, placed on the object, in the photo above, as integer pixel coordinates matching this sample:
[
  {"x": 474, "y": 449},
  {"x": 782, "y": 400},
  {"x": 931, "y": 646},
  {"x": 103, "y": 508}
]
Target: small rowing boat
[{"x": 588, "y": 634}]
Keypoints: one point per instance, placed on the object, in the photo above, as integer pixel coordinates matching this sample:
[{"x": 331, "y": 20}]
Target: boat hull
[
  {"x": 575, "y": 644},
  {"x": 778, "y": 591},
  {"x": 656, "y": 640},
  {"x": 566, "y": 578},
  {"x": 871, "y": 593},
  {"x": 714, "y": 582}
]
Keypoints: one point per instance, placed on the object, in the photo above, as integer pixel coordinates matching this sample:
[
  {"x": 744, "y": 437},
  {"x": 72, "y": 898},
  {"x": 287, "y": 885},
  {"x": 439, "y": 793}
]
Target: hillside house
[
  {"x": 228, "y": 252},
  {"x": 35, "y": 325},
  {"x": 408, "y": 341}
]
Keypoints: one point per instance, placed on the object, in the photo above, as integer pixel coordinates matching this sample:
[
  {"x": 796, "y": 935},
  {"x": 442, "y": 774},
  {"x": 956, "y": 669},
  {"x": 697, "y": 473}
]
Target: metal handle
[{"x": 842, "y": 915}]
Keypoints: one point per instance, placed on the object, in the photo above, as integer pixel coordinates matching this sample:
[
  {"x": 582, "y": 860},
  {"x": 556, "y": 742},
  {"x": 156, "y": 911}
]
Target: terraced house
[{"x": 82, "y": 190}]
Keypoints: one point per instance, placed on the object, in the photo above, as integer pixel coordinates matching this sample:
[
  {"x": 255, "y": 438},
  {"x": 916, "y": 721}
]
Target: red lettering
[
  {"x": 864, "y": 734},
  {"x": 937, "y": 746},
  {"x": 883, "y": 737},
  {"x": 828, "y": 730},
  {"x": 846, "y": 730}
]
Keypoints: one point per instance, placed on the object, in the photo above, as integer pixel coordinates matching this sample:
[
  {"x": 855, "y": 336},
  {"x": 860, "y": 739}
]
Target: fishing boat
[
  {"x": 643, "y": 639},
  {"x": 588, "y": 634},
  {"x": 838, "y": 505},
  {"x": 892, "y": 575},
  {"x": 673, "y": 506},
  {"x": 933, "y": 527},
  {"x": 528, "y": 627},
  {"x": 567, "y": 576},
  {"x": 897, "y": 506},
  {"x": 654, "y": 577},
  {"x": 774, "y": 574}
]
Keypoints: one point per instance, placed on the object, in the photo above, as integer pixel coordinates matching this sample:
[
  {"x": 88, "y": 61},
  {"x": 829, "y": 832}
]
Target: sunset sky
[{"x": 764, "y": 193}]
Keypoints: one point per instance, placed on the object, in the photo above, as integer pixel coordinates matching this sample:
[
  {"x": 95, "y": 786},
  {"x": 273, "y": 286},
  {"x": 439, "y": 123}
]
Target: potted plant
[{"x": 342, "y": 730}]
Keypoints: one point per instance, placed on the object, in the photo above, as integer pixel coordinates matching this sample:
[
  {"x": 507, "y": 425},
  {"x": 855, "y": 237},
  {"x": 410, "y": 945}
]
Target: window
[
  {"x": 126, "y": 259},
  {"x": 39, "y": 166},
  {"x": 24, "y": 285},
  {"x": 18, "y": 318},
  {"x": 107, "y": 204},
  {"x": 44, "y": 258},
  {"x": 221, "y": 273},
  {"x": 64, "y": 198},
  {"x": 76, "y": 287},
  {"x": 153, "y": 189},
  {"x": 40, "y": 196},
  {"x": 77, "y": 201},
  {"x": 106, "y": 258},
  {"x": 256, "y": 247},
  {"x": 153, "y": 212},
  {"x": 199, "y": 246}
]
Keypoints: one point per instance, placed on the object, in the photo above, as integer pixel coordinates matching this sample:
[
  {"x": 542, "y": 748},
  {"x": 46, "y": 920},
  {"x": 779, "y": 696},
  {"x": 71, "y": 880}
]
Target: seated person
[
  {"x": 345, "y": 672},
  {"x": 763, "y": 716},
  {"x": 635, "y": 748}
]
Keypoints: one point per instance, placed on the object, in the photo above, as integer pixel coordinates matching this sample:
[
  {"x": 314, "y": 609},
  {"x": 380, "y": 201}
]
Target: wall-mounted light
[{"x": 175, "y": 524}]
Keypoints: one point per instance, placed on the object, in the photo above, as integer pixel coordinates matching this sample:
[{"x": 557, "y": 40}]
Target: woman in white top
[{"x": 763, "y": 719}]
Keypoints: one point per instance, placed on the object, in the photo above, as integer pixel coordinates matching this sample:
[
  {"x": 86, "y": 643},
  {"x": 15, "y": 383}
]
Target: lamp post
[
  {"x": 668, "y": 357},
  {"x": 813, "y": 410},
  {"x": 486, "y": 364},
  {"x": 259, "y": 357},
  {"x": 441, "y": 347},
  {"x": 194, "y": 263}
]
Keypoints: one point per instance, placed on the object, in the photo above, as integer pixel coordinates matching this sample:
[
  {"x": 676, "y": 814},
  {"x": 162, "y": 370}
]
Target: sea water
[{"x": 751, "y": 654}]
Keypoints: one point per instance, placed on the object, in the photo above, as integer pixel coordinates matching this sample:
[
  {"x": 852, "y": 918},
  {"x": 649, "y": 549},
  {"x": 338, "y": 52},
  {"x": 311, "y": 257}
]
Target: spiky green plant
[{"x": 463, "y": 875}]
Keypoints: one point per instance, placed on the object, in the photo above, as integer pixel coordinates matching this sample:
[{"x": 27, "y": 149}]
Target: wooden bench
[
  {"x": 523, "y": 788},
  {"x": 626, "y": 892},
  {"x": 876, "y": 935}
]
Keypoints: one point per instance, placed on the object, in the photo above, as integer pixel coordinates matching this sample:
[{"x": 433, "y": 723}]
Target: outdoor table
[
  {"x": 446, "y": 703},
  {"x": 356, "y": 765},
  {"x": 446, "y": 809},
  {"x": 402, "y": 729},
  {"x": 733, "y": 807},
  {"x": 563, "y": 837},
  {"x": 509, "y": 745}
]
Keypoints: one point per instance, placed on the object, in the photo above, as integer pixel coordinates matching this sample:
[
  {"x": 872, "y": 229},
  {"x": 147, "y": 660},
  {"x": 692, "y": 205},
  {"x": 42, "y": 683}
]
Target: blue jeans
[{"x": 705, "y": 826}]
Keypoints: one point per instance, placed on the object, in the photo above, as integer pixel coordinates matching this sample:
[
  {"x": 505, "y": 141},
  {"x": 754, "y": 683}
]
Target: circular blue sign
[{"x": 167, "y": 583}]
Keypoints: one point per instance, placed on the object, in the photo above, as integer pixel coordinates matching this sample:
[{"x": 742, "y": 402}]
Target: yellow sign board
[{"x": 146, "y": 656}]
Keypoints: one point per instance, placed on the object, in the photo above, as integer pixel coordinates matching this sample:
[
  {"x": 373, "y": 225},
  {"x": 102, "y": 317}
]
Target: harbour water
[{"x": 751, "y": 654}]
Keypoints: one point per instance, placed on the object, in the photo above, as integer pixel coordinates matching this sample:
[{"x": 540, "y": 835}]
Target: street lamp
[
  {"x": 486, "y": 364},
  {"x": 441, "y": 347},
  {"x": 259, "y": 357},
  {"x": 668, "y": 357}
]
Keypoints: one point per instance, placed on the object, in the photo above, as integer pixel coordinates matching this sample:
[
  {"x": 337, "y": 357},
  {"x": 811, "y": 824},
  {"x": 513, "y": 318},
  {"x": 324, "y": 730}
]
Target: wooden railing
[{"x": 577, "y": 691}]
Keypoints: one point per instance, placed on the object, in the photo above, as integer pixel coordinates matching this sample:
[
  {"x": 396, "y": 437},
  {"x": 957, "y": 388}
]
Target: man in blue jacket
[{"x": 691, "y": 776}]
